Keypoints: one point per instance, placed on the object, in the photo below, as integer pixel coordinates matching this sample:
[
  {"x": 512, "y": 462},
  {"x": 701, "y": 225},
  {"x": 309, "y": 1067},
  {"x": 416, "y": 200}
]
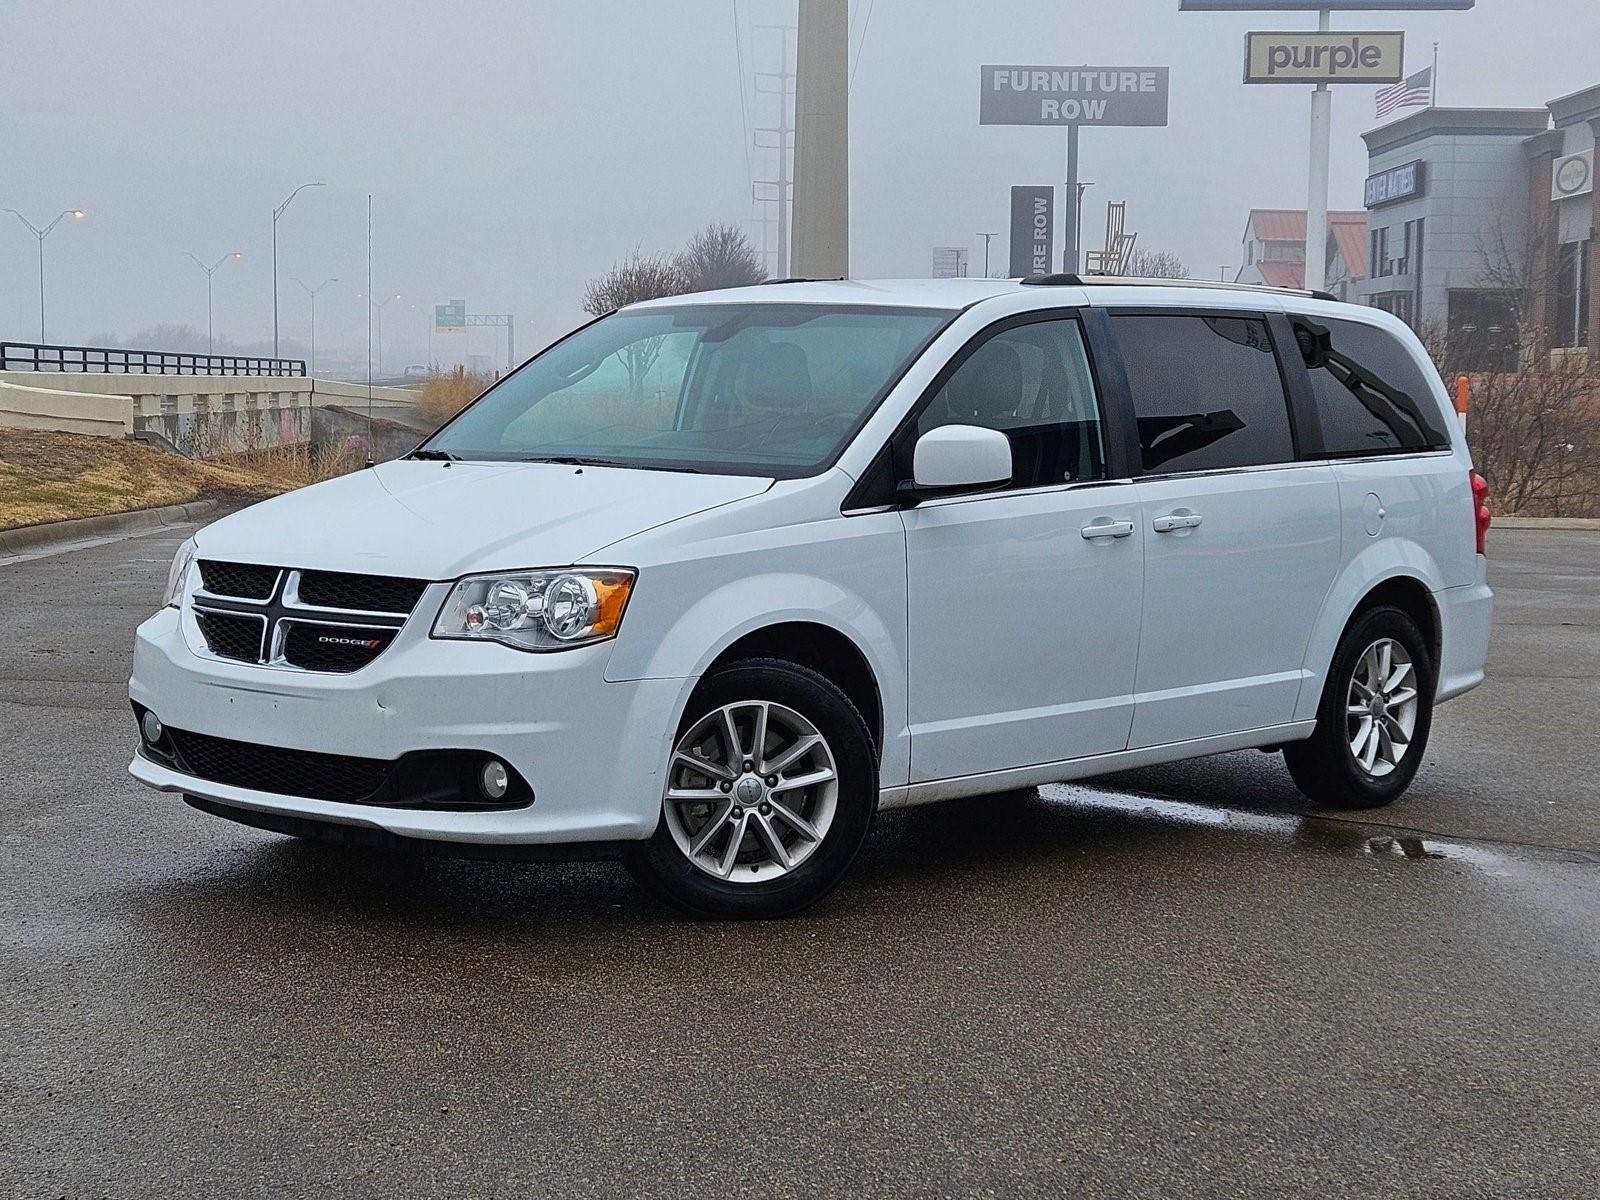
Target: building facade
[
  {"x": 1561, "y": 166},
  {"x": 1274, "y": 250},
  {"x": 1469, "y": 229}
]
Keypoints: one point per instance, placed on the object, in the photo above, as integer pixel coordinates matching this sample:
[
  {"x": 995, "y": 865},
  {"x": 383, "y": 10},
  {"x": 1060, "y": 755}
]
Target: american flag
[{"x": 1415, "y": 91}]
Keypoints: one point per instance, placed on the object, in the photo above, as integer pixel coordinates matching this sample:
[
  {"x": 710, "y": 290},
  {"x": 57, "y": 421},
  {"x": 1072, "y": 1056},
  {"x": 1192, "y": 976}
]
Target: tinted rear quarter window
[
  {"x": 1207, "y": 392},
  {"x": 1372, "y": 396}
]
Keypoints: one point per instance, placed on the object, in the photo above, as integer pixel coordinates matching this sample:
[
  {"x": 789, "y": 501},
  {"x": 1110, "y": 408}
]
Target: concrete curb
[
  {"x": 141, "y": 520},
  {"x": 1545, "y": 523}
]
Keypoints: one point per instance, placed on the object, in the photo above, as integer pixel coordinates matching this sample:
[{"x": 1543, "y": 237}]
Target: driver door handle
[
  {"x": 1107, "y": 529},
  {"x": 1176, "y": 521}
]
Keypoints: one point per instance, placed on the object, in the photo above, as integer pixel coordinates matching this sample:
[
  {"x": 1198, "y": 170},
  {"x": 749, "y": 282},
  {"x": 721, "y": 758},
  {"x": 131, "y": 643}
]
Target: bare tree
[
  {"x": 1534, "y": 416},
  {"x": 719, "y": 256},
  {"x": 637, "y": 277},
  {"x": 1156, "y": 264}
]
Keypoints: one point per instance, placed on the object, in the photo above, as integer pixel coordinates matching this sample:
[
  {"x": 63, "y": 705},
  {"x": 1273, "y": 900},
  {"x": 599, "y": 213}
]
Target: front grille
[
  {"x": 232, "y": 635},
  {"x": 335, "y": 777},
  {"x": 245, "y": 580},
  {"x": 327, "y": 621},
  {"x": 339, "y": 648},
  {"x": 360, "y": 593}
]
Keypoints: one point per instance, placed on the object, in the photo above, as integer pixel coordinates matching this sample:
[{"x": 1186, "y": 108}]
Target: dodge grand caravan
[{"x": 710, "y": 581}]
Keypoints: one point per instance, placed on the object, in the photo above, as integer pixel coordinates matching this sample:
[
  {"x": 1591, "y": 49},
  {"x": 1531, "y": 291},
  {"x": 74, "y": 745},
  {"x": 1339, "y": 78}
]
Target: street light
[
  {"x": 312, "y": 292},
  {"x": 1077, "y": 225},
  {"x": 276, "y": 213},
  {"x": 210, "y": 271},
  {"x": 77, "y": 214},
  {"x": 987, "y": 238}
]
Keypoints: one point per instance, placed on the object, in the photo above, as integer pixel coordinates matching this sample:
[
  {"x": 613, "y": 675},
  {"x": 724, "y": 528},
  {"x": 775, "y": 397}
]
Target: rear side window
[
  {"x": 1372, "y": 397},
  {"x": 1206, "y": 391},
  {"x": 1032, "y": 383}
]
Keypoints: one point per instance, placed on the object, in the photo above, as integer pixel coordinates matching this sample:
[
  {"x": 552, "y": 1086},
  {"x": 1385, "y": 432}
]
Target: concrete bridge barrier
[{"x": 211, "y": 416}]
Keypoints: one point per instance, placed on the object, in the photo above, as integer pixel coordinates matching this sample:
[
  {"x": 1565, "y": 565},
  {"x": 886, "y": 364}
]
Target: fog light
[
  {"x": 150, "y": 725},
  {"x": 494, "y": 779}
]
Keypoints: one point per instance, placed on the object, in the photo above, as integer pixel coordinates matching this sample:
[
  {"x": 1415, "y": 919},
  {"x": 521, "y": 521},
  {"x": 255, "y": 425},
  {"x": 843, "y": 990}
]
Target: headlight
[
  {"x": 537, "y": 610},
  {"x": 178, "y": 574}
]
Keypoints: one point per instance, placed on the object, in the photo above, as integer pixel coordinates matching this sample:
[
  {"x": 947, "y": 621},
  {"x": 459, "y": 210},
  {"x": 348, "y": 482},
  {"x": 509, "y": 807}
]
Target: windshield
[{"x": 757, "y": 389}]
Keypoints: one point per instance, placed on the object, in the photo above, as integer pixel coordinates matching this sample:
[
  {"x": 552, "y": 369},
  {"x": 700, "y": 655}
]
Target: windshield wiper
[
  {"x": 576, "y": 460},
  {"x": 435, "y": 455}
]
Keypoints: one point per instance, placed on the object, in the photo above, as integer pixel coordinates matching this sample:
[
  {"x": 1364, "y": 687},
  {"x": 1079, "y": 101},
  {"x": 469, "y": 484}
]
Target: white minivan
[{"x": 711, "y": 580}]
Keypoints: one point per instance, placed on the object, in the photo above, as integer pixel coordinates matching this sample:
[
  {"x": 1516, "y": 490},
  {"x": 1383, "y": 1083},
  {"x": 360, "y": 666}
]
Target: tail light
[{"x": 1480, "y": 508}]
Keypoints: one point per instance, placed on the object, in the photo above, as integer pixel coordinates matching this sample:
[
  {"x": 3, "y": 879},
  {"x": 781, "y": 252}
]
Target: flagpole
[{"x": 1433, "y": 99}]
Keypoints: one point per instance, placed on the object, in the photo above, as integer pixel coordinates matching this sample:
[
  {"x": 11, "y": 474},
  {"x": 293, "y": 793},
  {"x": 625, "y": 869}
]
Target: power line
[
  {"x": 744, "y": 104},
  {"x": 860, "y": 42}
]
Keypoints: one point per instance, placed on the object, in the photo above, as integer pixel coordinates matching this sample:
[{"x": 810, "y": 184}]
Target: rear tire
[
  {"x": 770, "y": 791},
  {"x": 1374, "y": 718}
]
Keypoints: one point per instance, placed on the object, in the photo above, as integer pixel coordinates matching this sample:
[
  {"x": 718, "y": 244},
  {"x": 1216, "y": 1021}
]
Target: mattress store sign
[
  {"x": 1394, "y": 185},
  {"x": 1324, "y": 57},
  {"x": 1027, "y": 95}
]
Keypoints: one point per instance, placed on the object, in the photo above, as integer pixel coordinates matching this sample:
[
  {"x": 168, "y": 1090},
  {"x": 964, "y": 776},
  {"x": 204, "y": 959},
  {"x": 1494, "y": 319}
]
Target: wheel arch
[
  {"x": 1412, "y": 597},
  {"x": 824, "y": 649},
  {"x": 1390, "y": 571},
  {"x": 855, "y": 635}
]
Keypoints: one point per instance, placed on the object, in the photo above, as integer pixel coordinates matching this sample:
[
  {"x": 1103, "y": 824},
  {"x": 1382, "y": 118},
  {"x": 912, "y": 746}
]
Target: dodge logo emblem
[{"x": 362, "y": 643}]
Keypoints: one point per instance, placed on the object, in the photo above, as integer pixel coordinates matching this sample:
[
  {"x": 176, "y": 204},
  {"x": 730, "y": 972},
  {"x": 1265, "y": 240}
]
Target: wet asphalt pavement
[{"x": 1177, "y": 982}]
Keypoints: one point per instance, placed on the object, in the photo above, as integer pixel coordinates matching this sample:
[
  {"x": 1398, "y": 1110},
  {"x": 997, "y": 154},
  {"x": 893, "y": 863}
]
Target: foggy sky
[{"x": 515, "y": 149}]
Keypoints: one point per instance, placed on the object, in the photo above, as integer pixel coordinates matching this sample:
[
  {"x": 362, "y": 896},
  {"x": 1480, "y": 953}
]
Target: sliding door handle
[
  {"x": 1107, "y": 529},
  {"x": 1176, "y": 521}
]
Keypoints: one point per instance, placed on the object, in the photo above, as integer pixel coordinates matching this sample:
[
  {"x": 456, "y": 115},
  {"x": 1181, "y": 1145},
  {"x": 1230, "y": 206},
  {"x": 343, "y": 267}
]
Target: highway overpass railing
[{"x": 34, "y": 356}]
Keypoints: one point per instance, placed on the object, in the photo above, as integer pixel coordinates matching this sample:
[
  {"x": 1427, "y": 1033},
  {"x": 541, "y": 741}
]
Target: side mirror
[{"x": 956, "y": 457}]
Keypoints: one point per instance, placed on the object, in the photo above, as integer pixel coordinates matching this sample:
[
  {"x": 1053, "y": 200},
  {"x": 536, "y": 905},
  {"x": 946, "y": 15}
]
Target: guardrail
[{"x": 32, "y": 356}]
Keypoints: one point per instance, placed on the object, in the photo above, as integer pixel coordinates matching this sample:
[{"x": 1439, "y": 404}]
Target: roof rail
[
  {"x": 1057, "y": 279},
  {"x": 1068, "y": 279},
  {"x": 803, "y": 279}
]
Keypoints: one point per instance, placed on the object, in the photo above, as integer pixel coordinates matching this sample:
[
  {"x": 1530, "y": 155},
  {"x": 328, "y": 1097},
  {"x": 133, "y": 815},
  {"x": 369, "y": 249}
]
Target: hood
[{"x": 430, "y": 520}]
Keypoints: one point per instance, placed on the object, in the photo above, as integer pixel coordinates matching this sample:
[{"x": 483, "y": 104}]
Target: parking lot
[{"x": 1178, "y": 981}]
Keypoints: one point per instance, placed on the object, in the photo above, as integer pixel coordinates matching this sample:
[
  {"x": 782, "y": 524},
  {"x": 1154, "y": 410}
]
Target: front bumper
[{"x": 592, "y": 751}]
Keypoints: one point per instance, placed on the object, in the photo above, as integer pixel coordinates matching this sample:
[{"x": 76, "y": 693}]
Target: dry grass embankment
[
  {"x": 447, "y": 393},
  {"x": 47, "y": 476}
]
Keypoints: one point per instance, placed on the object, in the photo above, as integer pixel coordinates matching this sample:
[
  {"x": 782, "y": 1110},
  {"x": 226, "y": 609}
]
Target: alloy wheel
[
  {"x": 752, "y": 789},
  {"x": 1381, "y": 707}
]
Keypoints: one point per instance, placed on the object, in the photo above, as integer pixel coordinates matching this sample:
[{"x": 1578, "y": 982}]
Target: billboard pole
[
  {"x": 1317, "y": 198},
  {"x": 1069, "y": 221}
]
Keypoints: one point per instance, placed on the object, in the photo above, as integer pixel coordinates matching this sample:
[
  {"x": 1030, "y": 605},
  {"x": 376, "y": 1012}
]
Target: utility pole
[
  {"x": 779, "y": 83},
  {"x": 276, "y": 213},
  {"x": 312, "y": 292},
  {"x": 76, "y": 214},
  {"x": 210, "y": 271},
  {"x": 821, "y": 235},
  {"x": 764, "y": 224}
]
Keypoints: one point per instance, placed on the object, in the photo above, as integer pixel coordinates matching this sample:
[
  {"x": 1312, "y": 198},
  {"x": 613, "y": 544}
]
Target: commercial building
[
  {"x": 1274, "y": 250},
  {"x": 1477, "y": 217}
]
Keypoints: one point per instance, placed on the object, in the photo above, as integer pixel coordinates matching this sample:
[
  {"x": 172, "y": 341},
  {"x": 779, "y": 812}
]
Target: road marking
[{"x": 53, "y": 548}]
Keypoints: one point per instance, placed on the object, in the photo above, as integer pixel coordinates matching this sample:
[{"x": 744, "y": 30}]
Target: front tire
[
  {"x": 771, "y": 789},
  {"x": 1375, "y": 716}
]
